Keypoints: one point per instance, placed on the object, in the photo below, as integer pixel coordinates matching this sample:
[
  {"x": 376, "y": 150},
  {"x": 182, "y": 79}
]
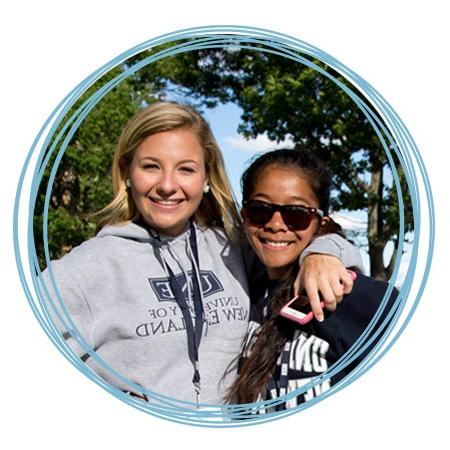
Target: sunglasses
[{"x": 296, "y": 217}]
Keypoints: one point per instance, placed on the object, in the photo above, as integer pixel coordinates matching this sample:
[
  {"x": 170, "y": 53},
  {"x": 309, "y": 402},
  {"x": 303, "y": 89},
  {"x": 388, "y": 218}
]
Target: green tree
[
  {"x": 82, "y": 184},
  {"x": 286, "y": 99}
]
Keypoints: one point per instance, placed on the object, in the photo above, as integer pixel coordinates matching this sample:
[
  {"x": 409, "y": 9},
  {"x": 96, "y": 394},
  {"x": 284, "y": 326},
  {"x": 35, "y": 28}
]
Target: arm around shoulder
[{"x": 335, "y": 245}]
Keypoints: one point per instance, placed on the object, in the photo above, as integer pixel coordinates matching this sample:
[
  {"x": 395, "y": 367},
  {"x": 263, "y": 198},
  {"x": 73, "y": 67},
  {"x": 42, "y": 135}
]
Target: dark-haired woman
[{"x": 286, "y": 195}]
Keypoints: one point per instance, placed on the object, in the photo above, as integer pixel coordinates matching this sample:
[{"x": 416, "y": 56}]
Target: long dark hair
[{"x": 259, "y": 356}]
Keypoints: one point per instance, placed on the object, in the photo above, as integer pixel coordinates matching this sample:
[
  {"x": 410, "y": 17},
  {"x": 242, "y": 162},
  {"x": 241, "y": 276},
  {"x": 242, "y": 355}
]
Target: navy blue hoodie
[{"x": 315, "y": 347}]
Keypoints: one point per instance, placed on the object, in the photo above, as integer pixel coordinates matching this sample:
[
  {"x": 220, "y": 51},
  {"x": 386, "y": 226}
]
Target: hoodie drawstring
[{"x": 194, "y": 332}]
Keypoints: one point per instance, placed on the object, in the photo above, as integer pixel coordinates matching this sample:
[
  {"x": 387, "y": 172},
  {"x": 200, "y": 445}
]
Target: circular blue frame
[{"x": 398, "y": 140}]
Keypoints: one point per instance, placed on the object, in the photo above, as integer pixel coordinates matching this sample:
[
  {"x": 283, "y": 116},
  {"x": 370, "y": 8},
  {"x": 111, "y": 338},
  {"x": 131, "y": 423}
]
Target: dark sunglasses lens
[
  {"x": 297, "y": 218},
  {"x": 258, "y": 213}
]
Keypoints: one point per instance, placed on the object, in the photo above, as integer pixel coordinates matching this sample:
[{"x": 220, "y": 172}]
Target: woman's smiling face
[
  {"x": 167, "y": 175},
  {"x": 275, "y": 244}
]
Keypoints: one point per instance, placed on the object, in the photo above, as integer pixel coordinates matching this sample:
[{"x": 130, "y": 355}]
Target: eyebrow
[
  {"x": 295, "y": 198},
  {"x": 184, "y": 161}
]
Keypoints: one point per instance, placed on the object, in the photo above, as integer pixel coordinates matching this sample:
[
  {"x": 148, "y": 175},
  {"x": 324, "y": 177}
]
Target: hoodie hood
[
  {"x": 171, "y": 250},
  {"x": 129, "y": 230},
  {"x": 139, "y": 232}
]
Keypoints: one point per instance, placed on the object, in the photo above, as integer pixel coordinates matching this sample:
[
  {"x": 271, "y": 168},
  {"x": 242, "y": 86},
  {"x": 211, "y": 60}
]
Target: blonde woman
[{"x": 160, "y": 294}]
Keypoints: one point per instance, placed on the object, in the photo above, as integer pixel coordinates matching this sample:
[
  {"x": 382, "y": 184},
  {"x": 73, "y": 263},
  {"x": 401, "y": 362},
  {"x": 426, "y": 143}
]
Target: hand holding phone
[{"x": 296, "y": 310}]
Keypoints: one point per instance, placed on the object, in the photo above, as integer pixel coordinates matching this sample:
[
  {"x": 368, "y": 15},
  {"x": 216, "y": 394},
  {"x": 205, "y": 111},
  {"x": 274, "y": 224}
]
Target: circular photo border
[{"x": 394, "y": 138}]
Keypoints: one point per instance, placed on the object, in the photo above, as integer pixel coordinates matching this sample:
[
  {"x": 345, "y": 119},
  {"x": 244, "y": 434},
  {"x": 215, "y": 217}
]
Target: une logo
[{"x": 209, "y": 285}]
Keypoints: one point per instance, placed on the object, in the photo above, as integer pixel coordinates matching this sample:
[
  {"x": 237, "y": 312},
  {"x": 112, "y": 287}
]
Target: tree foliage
[{"x": 82, "y": 184}]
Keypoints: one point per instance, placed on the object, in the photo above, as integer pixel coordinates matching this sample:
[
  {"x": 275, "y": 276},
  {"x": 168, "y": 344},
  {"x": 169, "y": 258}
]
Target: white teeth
[
  {"x": 167, "y": 202},
  {"x": 276, "y": 244}
]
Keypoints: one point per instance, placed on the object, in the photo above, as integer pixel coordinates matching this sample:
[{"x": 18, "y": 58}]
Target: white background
[{"x": 401, "y": 48}]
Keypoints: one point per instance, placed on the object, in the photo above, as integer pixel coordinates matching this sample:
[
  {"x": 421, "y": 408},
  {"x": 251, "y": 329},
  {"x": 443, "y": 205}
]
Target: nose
[
  {"x": 276, "y": 223},
  {"x": 167, "y": 184}
]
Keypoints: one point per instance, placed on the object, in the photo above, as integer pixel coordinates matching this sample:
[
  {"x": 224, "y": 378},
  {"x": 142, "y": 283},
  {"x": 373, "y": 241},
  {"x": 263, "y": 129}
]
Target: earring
[
  {"x": 128, "y": 183},
  {"x": 206, "y": 189}
]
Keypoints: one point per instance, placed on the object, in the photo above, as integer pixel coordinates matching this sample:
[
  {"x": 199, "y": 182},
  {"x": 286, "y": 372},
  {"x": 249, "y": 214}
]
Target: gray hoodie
[{"x": 115, "y": 288}]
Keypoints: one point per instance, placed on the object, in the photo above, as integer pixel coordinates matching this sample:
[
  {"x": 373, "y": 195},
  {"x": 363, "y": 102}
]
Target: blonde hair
[{"x": 217, "y": 207}]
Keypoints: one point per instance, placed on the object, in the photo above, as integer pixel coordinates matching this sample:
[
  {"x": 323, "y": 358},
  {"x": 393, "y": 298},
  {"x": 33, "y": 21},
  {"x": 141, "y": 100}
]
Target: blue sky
[
  {"x": 224, "y": 121},
  {"x": 237, "y": 151}
]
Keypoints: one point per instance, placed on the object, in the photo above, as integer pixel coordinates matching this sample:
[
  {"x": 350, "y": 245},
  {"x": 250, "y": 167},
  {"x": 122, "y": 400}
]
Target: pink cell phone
[
  {"x": 294, "y": 309},
  {"x": 352, "y": 274}
]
